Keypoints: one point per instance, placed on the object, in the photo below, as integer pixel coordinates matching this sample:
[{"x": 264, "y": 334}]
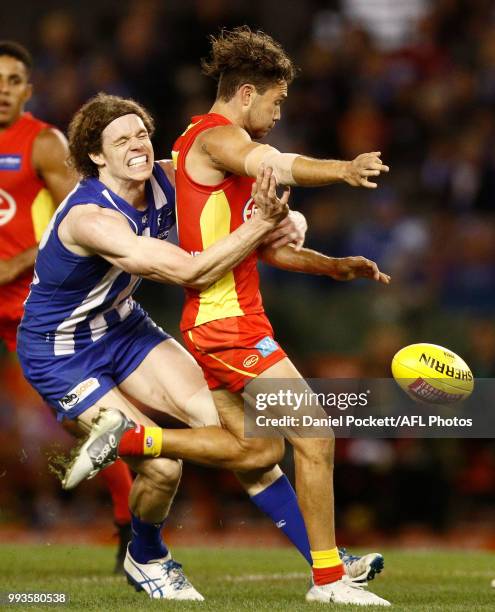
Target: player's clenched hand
[
  {"x": 350, "y": 268},
  {"x": 267, "y": 204},
  {"x": 292, "y": 230},
  {"x": 363, "y": 167}
]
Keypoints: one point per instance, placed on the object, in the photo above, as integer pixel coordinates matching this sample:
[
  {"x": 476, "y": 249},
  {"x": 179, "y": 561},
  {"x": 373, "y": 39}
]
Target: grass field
[{"x": 245, "y": 579}]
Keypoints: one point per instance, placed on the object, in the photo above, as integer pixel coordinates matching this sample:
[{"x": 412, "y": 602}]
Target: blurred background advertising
[{"x": 414, "y": 79}]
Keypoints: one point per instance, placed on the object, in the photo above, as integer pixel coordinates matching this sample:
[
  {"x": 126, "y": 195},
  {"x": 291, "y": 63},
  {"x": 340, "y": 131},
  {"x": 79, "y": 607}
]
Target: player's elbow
[
  {"x": 195, "y": 277},
  {"x": 181, "y": 269},
  {"x": 198, "y": 282},
  {"x": 180, "y": 272},
  {"x": 201, "y": 284},
  {"x": 136, "y": 265},
  {"x": 199, "y": 287}
]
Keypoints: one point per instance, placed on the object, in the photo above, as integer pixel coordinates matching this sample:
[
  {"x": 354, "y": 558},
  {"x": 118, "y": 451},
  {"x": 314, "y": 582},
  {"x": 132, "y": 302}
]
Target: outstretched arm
[
  {"x": 90, "y": 230},
  {"x": 230, "y": 149},
  {"x": 292, "y": 230},
  {"x": 312, "y": 262}
]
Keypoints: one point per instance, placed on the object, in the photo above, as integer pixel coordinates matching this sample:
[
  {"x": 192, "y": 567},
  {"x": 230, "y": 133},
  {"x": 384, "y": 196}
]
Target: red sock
[
  {"x": 327, "y": 566},
  {"x": 119, "y": 481},
  {"x": 327, "y": 574},
  {"x": 141, "y": 442},
  {"x": 131, "y": 443}
]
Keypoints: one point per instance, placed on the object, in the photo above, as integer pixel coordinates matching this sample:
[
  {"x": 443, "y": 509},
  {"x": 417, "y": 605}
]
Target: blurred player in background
[{"x": 34, "y": 179}]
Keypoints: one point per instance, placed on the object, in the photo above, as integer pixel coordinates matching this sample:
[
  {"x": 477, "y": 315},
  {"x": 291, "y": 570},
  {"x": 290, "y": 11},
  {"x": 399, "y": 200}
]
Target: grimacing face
[
  {"x": 127, "y": 152},
  {"x": 265, "y": 111},
  {"x": 15, "y": 89}
]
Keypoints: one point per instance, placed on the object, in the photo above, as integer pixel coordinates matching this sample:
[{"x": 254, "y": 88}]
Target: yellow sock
[
  {"x": 327, "y": 566},
  {"x": 325, "y": 558},
  {"x": 152, "y": 441}
]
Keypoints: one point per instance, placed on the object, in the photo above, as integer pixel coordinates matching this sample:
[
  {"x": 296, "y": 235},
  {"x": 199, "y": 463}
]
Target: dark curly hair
[
  {"x": 242, "y": 56},
  {"x": 88, "y": 123}
]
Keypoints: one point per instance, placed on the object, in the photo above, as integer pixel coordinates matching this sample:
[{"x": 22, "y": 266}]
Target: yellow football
[{"x": 432, "y": 374}]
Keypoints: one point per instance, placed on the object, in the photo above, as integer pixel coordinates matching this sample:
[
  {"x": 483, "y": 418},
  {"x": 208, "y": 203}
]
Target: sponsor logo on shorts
[
  {"x": 149, "y": 441},
  {"x": 68, "y": 401},
  {"x": 250, "y": 361},
  {"x": 267, "y": 346},
  {"x": 10, "y": 162},
  {"x": 249, "y": 209},
  {"x": 77, "y": 394}
]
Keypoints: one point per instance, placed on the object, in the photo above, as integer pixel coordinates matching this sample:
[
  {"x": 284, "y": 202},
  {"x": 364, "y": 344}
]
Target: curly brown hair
[
  {"x": 88, "y": 123},
  {"x": 242, "y": 56}
]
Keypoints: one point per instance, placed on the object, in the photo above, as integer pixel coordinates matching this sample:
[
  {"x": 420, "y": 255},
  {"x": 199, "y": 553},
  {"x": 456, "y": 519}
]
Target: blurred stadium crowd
[{"x": 414, "y": 79}]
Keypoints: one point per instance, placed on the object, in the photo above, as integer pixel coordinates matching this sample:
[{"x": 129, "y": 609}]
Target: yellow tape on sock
[
  {"x": 325, "y": 558},
  {"x": 152, "y": 443}
]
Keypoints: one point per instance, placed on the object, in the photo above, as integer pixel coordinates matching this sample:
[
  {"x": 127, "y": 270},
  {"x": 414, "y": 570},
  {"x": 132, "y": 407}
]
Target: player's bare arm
[
  {"x": 50, "y": 161},
  {"x": 292, "y": 230},
  {"x": 230, "y": 149},
  {"x": 312, "y": 262},
  {"x": 168, "y": 167},
  {"x": 50, "y": 154},
  {"x": 12, "y": 268},
  {"x": 90, "y": 230}
]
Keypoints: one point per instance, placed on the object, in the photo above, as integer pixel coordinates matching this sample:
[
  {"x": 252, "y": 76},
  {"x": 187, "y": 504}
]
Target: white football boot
[
  {"x": 344, "y": 591},
  {"x": 99, "y": 449},
  {"x": 160, "y": 579},
  {"x": 361, "y": 569}
]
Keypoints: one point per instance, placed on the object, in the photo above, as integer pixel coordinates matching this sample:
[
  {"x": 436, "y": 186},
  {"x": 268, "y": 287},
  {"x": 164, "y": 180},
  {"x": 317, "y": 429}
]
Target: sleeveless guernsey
[{"x": 206, "y": 214}]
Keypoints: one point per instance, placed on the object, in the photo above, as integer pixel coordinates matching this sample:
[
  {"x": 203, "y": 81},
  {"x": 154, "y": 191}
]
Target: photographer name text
[{"x": 348, "y": 420}]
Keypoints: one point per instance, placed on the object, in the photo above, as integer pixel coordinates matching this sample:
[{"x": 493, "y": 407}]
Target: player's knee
[
  {"x": 316, "y": 450},
  {"x": 278, "y": 450},
  {"x": 261, "y": 454},
  {"x": 325, "y": 448},
  {"x": 163, "y": 473},
  {"x": 272, "y": 453}
]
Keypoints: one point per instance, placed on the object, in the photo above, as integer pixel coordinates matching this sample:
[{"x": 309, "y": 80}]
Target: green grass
[{"x": 245, "y": 579}]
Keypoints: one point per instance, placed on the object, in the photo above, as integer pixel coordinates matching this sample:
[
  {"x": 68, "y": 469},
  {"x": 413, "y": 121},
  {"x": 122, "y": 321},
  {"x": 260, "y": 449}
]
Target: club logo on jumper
[
  {"x": 79, "y": 393},
  {"x": 249, "y": 209},
  {"x": 10, "y": 162},
  {"x": 250, "y": 361},
  {"x": 267, "y": 346},
  {"x": 8, "y": 207}
]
